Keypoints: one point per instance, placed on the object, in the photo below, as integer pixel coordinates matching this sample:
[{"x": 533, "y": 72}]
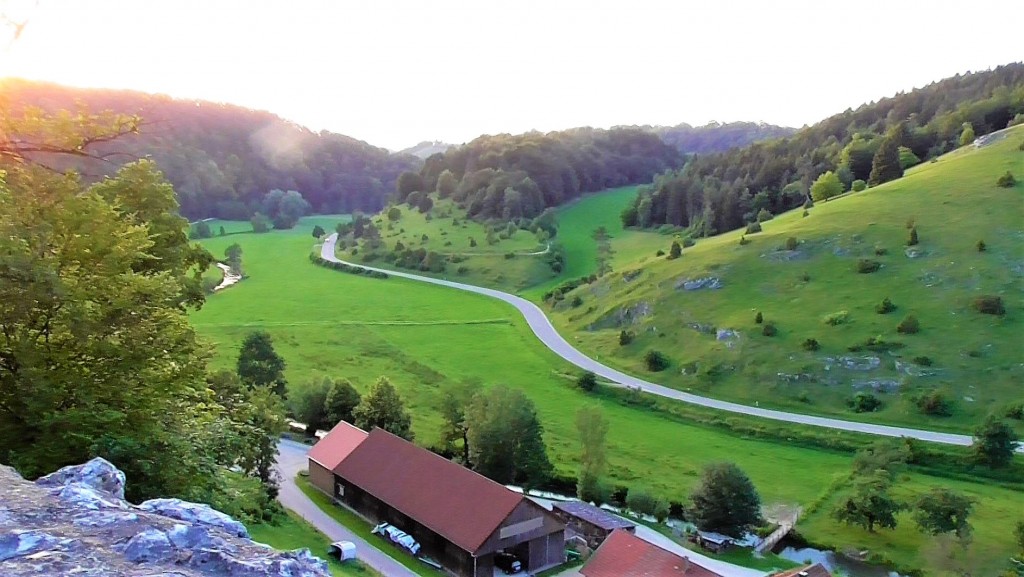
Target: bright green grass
[
  {"x": 954, "y": 203},
  {"x": 293, "y": 532},
  {"x": 485, "y": 264},
  {"x": 360, "y": 527}
]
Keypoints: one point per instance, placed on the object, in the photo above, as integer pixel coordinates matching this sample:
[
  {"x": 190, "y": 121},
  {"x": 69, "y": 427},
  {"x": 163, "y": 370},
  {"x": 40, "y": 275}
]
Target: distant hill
[
  {"x": 427, "y": 149},
  {"x": 513, "y": 177},
  {"x": 222, "y": 159},
  {"x": 819, "y": 281},
  {"x": 717, "y": 137},
  {"x": 722, "y": 191}
]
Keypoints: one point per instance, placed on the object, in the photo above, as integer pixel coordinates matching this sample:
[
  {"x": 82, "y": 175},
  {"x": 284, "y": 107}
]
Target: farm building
[
  {"x": 593, "y": 524},
  {"x": 329, "y": 452},
  {"x": 625, "y": 555},
  {"x": 461, "y": 519}
]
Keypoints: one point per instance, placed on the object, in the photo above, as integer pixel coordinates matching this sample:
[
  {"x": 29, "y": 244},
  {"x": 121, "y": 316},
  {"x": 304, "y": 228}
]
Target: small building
[
  {"x": 330, "y": 451},
  {"x": 460, "y": 518},
  {"x": 623, "y": 554},
  {"x": 714, "y": 542},
  {"x": 593, "y": 524},
  {"x": 816, "y": 570}
]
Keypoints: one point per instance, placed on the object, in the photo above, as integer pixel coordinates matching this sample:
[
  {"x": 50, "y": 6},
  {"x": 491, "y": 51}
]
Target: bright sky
[{"x": 396, "y": 72}]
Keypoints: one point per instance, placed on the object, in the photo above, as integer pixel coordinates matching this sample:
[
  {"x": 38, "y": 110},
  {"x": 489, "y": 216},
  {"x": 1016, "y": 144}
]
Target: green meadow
[
  {"x": 294, "y": 532},
  {"x": 326, "y": 322},
  {"x": 973, "y": 360}
]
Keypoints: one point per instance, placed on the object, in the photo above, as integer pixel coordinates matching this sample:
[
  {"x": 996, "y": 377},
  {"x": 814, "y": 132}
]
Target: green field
[
  {"x": 326, "y": 322},
  {"x": 976, "y": 359},
  {"x": 293, "y": 532}
]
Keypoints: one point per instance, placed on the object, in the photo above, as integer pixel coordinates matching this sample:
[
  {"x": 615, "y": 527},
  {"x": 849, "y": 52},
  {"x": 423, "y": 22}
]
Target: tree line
[
  {"x": 716, "y": 136},
  {"x": 221, "y": 159},
  {"x": 512, "y": 177},
  {"x": 715, "y": 193}
]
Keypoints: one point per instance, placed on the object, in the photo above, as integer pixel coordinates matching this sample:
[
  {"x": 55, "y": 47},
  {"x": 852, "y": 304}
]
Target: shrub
[
  {"x": 876, "y": 344},
  {"x": 885, "y": 307},
  {"x": 753, "y": 227},
  {"x": 1006, "y": 181},
  {"x": 646, "y": 504},
  {"x": 744, "y": 241},
  {"x": 688, "y": 242},
  {"x": 981, "y": 246},
  {"x": 923, "y": 361},
  {"x": 881, "y": 251},
  {"x": 587, "y": 381},
  {"x": 769, "y": 329},
  {"x": 576, "y": 301},
  {"x": 462, "y": 269},
  {"x": 805, "y": 214},
  {"x": 808, "y": 203},
  {"x": 675, "y": 251},
  {"x": 909, "y": 325},
  {"x": 866, "y": 266},
  {"x": 864, "y": 402},
  {"x": 836, "y": 318},
  {"x": 659, "y": 253},
  {"x": 792, "y": 243},
  {"x": 989, "y": 305},
  {"x": 759, "y": 318},
  {"x": 1015, "y": 411},
  {"x": 858, "y": 185},
  {"x": 811, "y": 345},
  {"x": 765, "y": 215},
  {"x": 806, "y": 277},
  {"x": 911, "y": 223},
  {"x": 912, "y": 237},
  {"x": 510, "y": 255},
  {"x": 625, "y": 337},
  {"x": 934, "y": 403},
  {"x": 655, "y": 361},
  {"x": 472, "y": 242}
]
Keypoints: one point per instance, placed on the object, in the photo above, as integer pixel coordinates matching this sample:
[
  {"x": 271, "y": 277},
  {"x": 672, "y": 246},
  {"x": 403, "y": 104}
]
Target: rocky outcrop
[
  {"x": 688, "y": 284},
  {"x": 76, "y": 522}
]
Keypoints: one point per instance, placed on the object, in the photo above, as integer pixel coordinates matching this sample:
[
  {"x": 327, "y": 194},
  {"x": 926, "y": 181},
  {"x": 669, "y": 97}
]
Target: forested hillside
[
  {"x": 510, "y": 177},
  {"x": 872, "y": 144},
  {"x": 223, "y": 159},
  {"x": 718, "y": 137}
]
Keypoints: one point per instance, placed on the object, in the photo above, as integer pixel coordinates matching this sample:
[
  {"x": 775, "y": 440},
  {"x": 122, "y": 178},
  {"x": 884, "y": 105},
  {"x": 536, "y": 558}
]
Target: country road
[{"x": 546, "y": 332}]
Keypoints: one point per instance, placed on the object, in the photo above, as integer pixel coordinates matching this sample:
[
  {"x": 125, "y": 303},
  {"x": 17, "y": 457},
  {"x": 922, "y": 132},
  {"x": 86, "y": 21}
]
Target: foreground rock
[{"x": 76, "y": 522}]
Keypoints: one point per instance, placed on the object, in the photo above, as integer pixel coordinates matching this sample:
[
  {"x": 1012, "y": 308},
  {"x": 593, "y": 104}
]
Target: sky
[{"x": 397, "y": 72}]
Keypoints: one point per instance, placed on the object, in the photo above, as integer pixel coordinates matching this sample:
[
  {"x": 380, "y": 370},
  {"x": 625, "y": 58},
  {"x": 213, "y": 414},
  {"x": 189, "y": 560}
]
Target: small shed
[
  {"x": 714, "y": 542},
  {"x": 592, "y": 523}
]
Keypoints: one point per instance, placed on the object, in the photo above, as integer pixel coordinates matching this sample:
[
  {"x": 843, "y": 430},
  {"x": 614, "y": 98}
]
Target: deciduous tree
[
  {"x": 592, "y": 428},
  {"x": 994, "y": 443},
  {"x": 870, "y": 504},
  {"x": 383, "y": 407},
  {"x": 826, "y": 186},
  {"x": 506, "y": 438},
  {"x": 725, "y": 501},
  {"x": 342, "y": 399},
  {"x": 308, "y": 402},
  {"x": 259, "y": 365},
  {"x": 944, "y": 511}
]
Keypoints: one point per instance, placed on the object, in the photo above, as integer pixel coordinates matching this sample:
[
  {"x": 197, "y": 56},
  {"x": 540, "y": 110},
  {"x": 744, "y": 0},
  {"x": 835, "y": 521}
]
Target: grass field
[
  {"x": 326, "y": 322},
  {"x": 293, "y": 532},
  {"x": 976, "y": 359}
]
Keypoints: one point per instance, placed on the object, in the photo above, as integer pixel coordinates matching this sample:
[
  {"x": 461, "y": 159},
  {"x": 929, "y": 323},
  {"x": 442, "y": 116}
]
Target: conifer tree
[{"x": 886, "y": 164}]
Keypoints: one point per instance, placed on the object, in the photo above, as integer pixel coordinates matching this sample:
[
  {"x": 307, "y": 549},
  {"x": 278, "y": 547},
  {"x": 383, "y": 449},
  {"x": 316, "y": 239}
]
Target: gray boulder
[
  {"x": 149, "y": 546},
  {"x": 711, "y": 282},
  {"x": 98, "y": 473},
  {"x": 195, "y": 513}
]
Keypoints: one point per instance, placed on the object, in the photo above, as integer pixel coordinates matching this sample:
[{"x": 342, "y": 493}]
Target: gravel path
[
  {"x": 291, "y": 458},
  {"x": 546, "y": 332}
]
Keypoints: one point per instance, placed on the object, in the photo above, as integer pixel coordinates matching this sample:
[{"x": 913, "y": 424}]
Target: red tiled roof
[
  {"x": 625, "y": 555},
  {"x": 337, "y": 445},
  {"x": 816, "y": 570},
  {"x": 449, "y": 499}
]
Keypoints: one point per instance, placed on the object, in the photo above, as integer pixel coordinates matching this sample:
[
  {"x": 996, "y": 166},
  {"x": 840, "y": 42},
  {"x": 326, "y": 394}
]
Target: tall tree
[
  {"x": 308, "y": 403},
  {"x": 259, "y": 365},
  {"x": 944, "y": 511},
  {"x": 285, "y": 208},
  {"x": 233, "y": 256},
  {"x": 506, "y": 438},
  {"x": 446, "y": 184},
  {"x": 726, "y": 501},
  {"x": 870, "y": 503},
  {"x": 885, "y": 166},
  {"x": 382, "y": 407},
  {"x": 592, "y": 428},
  {"x": 341, "y": 402},
  {"x": 967, "y": 134},
  {"x": 826, "y": 186},
  {"x": 455, "y": 430},
  {"x": 994, "y": 443},
  {"x": 264, "y": 417}
]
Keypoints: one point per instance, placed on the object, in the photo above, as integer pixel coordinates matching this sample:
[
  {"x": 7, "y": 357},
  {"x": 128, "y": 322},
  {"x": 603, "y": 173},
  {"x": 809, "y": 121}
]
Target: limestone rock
[
  {"x": 75, "y": 522},
  {"x": 711, "y": 282}
]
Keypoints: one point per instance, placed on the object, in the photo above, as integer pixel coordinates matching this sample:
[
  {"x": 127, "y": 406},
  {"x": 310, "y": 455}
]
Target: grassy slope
[
  {"x": 328, "y": 322},
  {"x": 484, "y": 264},
  {"x": 954, "y": 202},
  {"x": 293, "y": 532}
]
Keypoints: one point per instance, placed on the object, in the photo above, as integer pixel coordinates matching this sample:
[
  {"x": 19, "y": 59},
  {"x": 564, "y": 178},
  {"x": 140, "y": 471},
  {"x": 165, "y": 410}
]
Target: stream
[{"x": 832, "y": 561}]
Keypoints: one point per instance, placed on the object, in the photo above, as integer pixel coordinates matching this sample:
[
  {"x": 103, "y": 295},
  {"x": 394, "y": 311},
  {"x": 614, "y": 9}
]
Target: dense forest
[
  {"x": 717, "y": 137},
  {"x": 223, "y": 159},
  {"x": 875, "y": 143},
  {"x": 511, "y": 177}
]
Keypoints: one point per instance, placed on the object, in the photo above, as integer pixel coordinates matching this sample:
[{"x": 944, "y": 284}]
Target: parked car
[
  {"x": 508, "y": 563},
  {"x": 398, "y": 537}
]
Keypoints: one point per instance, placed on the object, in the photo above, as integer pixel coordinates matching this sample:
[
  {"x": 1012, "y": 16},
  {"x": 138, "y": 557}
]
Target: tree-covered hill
[
  {"x": 717, "y": 137},
  {"x": 222, "y": 159},
  {"x": 720, "y": 192},
  {"x": 518, "y": 176}
]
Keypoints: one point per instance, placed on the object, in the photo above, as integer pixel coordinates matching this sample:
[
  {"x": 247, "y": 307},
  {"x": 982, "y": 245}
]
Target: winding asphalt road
[{"x": 546, "y": 332}]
